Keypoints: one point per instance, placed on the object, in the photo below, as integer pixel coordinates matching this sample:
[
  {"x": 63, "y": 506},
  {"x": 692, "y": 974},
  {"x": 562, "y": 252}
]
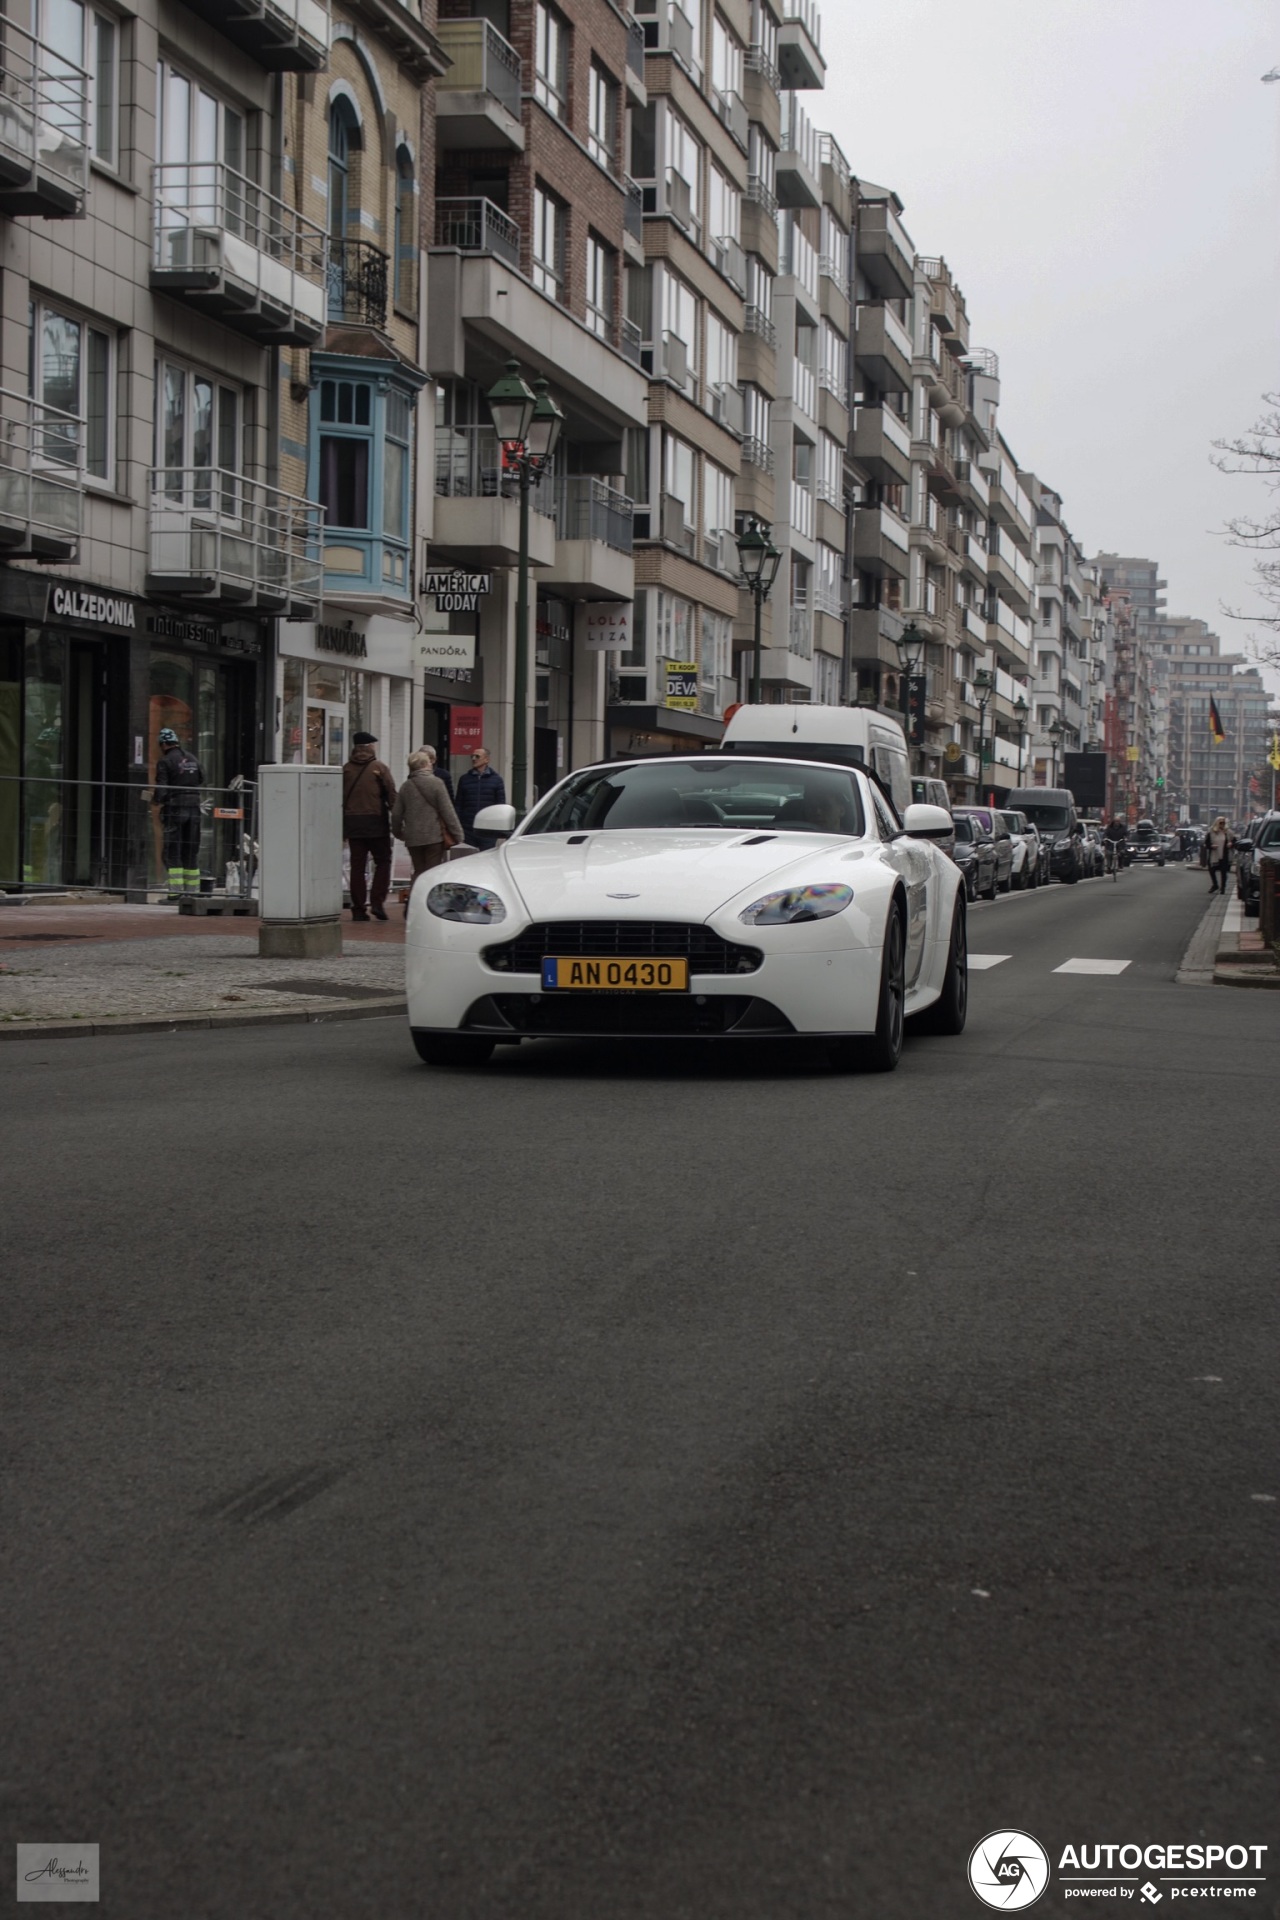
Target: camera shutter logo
[{"x": 1008, "y": 1870}]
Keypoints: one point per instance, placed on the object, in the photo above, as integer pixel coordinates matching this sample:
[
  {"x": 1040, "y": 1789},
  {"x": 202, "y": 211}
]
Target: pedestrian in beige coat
[{"x": 423, "y": 816}]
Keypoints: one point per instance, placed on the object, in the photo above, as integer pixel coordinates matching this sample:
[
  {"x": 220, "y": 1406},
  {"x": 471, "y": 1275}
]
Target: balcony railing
[
  {"x": 633, "y": 209},
  {"x": 588, "y": 509},
  {"x": 483, "y": 62},
  {"x": 44, "y": 147},
  {"x": 41, "y": 489},
  {"x": 223, "y": 243},
  {"x": 218, "y": 536},
  {"x": 757, "y": 453},
  {"x": 477, "y": 226},
  {"x": 762, "y": 195},
  {"x": 731, "y": 261},
  {"x": 733, "y": 114},
  {"x": 757, "y": 321},
  {"x": 830, "y": 155},
  {"x": 635, "y": 48},
  {"x": 800, "y": 632},
  {"x": 469, "y": 467},
  {"x": 358, "y": 283},
  {"x": 632, "y": 342},
  {"x": 758, "y": 61}
]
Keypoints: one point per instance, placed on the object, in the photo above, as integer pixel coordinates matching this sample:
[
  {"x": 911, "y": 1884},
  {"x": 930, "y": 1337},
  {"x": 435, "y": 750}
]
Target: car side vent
[
  {"x": 576, "y": 839},
  {"x": 759, "y": 839}
]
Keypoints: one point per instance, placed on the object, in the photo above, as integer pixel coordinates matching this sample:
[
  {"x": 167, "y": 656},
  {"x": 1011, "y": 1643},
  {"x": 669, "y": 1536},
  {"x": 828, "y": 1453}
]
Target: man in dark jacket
[
  {"x": 481, "y": 786},
  {"x": 368, "y": 795},
  {"x": 179, "y": 779}
]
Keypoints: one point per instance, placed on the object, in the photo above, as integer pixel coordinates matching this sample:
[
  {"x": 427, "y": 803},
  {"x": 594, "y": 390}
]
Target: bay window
[{"x": 362, "y": 468}]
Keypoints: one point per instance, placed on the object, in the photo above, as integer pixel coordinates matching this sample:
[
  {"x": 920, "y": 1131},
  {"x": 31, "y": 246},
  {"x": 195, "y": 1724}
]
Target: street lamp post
[
  {"x": 759, "y": 560},
  {"x": 910, "y": 644},
  {"x": 984, "y": 680},
  {"x": 1055, "y": 736},
  {"x": 1020, "y": 708},
  {"x": 527, "y": 421}
]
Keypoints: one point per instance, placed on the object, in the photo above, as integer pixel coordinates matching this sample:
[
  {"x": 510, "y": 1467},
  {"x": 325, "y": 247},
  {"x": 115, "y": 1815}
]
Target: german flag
[{"x": 1215, "y": 723}]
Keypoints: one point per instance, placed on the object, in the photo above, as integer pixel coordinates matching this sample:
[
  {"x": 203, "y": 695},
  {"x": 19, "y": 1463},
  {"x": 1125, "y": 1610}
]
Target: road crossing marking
[
  {"x": 979, "y": 962},
  {"x": 1092, "y": 966}
]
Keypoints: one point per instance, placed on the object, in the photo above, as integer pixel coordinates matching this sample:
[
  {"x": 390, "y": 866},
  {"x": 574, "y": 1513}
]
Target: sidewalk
[
  {"x": 95, "y": 968},
  {"x": 1227, "y": 950}
]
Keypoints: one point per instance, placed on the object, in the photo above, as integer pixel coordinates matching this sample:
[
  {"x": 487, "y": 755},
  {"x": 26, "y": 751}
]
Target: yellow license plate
[{"x": 616, "y": 976}]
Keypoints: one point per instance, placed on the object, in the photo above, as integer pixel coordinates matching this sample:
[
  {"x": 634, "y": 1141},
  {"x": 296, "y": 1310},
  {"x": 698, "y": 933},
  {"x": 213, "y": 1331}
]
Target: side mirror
[
  {"x": 924, "y": 822},
  {"x": 496, "y": 819}
]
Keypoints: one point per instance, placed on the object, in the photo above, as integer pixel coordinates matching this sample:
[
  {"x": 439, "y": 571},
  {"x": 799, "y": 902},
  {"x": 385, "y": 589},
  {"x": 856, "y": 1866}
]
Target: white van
[{"x": 847, "y": 736}]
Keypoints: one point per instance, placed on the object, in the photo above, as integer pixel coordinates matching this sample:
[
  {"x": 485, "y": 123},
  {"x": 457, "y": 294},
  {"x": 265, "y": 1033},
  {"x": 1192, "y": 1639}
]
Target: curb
[
  {"x": 1246, "y": 977},
  {"x": 198, "y": 1022},
  {"x": 1197, "y": 967}
]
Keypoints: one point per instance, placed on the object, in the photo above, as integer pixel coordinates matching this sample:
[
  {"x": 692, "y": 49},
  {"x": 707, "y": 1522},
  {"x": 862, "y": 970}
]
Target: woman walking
[
  {"x": 1219, "y": 853},
  {"x": 423, "y": 816}
]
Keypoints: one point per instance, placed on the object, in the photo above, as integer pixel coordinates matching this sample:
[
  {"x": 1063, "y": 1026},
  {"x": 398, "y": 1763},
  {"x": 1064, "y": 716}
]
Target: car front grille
[
  {"x": 602, "y": 1015},
  {"x": 705, "y": 951}
]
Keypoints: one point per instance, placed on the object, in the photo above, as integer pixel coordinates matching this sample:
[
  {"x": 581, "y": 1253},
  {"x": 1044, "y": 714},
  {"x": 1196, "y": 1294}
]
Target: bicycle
[{"x": 1112, "y": 865}]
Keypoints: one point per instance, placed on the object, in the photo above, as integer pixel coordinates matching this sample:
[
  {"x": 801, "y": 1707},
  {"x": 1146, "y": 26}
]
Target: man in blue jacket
[{"x": 481, "y": 786}]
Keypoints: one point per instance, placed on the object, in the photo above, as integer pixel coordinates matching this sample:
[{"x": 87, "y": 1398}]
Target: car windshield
[
  {"x": 964, "y": 829},
  {"x": 1270, "y": 836},
  {"x": 1045, "y": 816},
  {"x": 737, "y": 796}
]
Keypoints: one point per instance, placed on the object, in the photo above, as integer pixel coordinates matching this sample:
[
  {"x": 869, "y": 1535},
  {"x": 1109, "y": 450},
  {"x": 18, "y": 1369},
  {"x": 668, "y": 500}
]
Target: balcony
[
  {"x": 478, "y": 100},
  {"x": 757, "y": 321},
  {"x": 637, "y": 92},
  {"x": 760, "y": 194},
  {"x": 873, "y": 635},
  {"x": 880, "y": 542},
  {"x": 41, "y": 493},
  {"x": 358, "y": 274},
  {"x": 732, "y": 113},
  {"x": 758, "y": 61},
  {"x": 231, "y": 250},
  {"x": 670, "y": 31},
  {"x": 724, "y": 404},
  {"x": 882, "y": 444},
  {"x": 633, "y": 215},
  {"x": 886, "y": 255},
  {"x": 594, "y": 526},
  {"x": 477, "y": 226},
  {"x": 800, "y": 45},
  {"x": 44, "y": 147},
  {"x": 731, "y": 261},
  {"x": 882, "y": 347},
  {"x": 284, "y": 36},
  {"x": 477, "y": 513},
  {"x": 631, "y": 342},
  {"x": 798, "y": 176},
  {"x": 221, "y": 539}
]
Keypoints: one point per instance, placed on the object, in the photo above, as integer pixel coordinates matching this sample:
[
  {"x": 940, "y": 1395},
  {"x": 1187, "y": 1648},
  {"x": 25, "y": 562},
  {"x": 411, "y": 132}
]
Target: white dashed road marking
[
  {"x": 1092, "y": 966},
  {"x": 979, "y": 962}
]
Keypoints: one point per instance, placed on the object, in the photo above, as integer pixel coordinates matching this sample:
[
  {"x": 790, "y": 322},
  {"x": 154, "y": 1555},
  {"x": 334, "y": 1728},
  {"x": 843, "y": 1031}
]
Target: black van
[{"x": 1052, "y": 810}]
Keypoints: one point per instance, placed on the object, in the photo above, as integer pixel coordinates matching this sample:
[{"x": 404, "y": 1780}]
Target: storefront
[
  {"x": 340, "y": 677},
  {"x": 88, "y": 677}
]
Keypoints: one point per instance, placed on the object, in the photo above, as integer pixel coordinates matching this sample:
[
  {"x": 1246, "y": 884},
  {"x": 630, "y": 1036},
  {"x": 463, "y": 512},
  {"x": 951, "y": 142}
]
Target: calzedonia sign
[{"x": 88, "y": 607}]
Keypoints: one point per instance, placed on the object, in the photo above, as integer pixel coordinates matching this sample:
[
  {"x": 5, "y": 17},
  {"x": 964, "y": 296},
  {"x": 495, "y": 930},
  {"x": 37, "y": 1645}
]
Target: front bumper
[{"x": 827, "y": 990}]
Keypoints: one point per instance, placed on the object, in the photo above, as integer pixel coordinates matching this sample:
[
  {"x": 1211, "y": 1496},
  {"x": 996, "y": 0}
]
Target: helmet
[{"x": 168, "y": 738}]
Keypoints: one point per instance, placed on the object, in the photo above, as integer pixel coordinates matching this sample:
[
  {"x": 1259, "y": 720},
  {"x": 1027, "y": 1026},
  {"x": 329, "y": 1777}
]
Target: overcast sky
[{"x": 1101, "y": 177}]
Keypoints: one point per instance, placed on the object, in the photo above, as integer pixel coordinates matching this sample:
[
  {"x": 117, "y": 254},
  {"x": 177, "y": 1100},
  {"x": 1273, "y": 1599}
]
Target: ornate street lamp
[
  {"x": 1020, "y": 708},
  {"x": 984, "y": 680},
  {"x": 1055, "y": 732},
  {"x": 528, "y": 423},
  {"x": 759, "y": 561},
  {"x": 910, "y": 644}
]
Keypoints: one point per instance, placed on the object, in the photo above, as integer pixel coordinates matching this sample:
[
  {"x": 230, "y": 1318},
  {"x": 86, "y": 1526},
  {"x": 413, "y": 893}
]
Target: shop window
[
  {"x": 362, "y": 464},
  {"x": 72, "y": 374}
]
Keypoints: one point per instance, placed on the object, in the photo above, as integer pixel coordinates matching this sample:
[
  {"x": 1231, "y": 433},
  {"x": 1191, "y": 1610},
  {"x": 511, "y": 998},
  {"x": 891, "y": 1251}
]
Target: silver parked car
[{"x": 1026, "y": 849}]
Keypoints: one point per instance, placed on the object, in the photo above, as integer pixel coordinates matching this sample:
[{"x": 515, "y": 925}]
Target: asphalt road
[{"x": 631, "y": 1485}]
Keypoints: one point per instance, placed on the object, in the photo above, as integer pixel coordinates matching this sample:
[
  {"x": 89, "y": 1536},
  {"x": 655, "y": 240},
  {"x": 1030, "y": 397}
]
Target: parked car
[
  {"x": 1053, "y": 811},
  {"x": 974, "y": 852},
  {"x": 1095, "y": 854},
  {"x": 1145, "y": 848},
  {"x": 1172, "y": 846},
  {"x": 1242, "y": 839},
  {"x": 1262, "y": 844},
  {"x": 1041, "y": 846},
  {"x": 1026, "y": 848},
  {"x": 993, "y": 821},
  {"x": 933, "y": 793}
]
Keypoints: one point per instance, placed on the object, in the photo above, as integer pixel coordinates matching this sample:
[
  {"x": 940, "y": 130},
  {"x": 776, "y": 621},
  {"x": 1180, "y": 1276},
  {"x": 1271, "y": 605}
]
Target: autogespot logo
[{"x": 1008, "y": 1870}]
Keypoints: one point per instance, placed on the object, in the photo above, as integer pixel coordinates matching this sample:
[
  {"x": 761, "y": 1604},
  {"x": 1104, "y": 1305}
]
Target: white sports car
[{"x": 700, "y": 897}]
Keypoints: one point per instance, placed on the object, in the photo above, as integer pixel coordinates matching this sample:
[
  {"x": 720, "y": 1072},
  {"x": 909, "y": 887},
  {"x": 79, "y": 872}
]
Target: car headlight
[
  {"x": 796, "y": 904},
  {"x": 475, "y": 905}
]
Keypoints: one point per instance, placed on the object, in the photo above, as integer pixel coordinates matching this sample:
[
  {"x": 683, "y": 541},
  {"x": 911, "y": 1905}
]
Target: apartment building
[
  {"x": 1204, "y": 777},
  {"x": 1004, "y": 674},
  {"x": 152, "y": 528},
  {"x": 535, "y": 227},
  {"x": 1134, "y": 587},
  {"x": 351, "y": 397}
]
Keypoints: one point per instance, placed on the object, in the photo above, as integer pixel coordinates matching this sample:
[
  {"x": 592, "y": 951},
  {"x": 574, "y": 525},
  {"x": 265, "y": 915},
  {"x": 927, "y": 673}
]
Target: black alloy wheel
[
  {"x": 883, "y": 1050},
  {"x": 951, "y": 1009}
]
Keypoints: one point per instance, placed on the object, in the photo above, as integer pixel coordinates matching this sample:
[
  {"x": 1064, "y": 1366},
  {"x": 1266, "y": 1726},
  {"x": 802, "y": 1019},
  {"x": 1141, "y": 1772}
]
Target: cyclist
[{"x": 1115, "y": 833}]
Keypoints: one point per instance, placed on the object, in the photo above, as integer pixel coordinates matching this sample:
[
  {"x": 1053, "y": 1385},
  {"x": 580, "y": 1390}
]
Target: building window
[
  {"x": 198, "y": 438},
  {"x": 680, "y": 322},
  {"x": 550, "y": 220},
  {"x": 717, "y": 516},
  {"x": 551, "y": 60},
  {"x": 834, "y": 249},
  {"x": 724, "y": 207},
  {"x": 602, "y": 117},
  {"x": 827, "y": 597},
  {"x": 833, "y": 368},
  {"x": 346, "y": 407},
  {"x": 826, "y": 680},
  {"x": 72, "y": 374},
  {"x": 830, "y": 470},
  {"x": 601, "y": 279},
  {"x": 684, "y": 174},
  {"x": 726, "y": 60},
  {"x": 362, "y": 468},
  {"x": 89, "y": 39},
  {"x": 406, "y": 240},
  {"x": 678, "y": 475},
  {"x": 722, "y": 353}
]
